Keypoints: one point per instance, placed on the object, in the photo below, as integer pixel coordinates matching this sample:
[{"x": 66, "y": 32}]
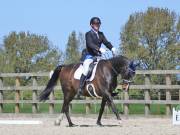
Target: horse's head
[
  {"x": 125, "y": 67},
  {"x": 128, "y": 73}
]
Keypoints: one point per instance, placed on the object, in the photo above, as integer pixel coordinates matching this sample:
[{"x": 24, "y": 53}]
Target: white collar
[{"x": 94, "y": 31}]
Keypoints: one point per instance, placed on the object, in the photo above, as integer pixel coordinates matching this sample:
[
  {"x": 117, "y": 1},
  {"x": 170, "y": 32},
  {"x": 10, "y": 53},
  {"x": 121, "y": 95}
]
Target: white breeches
[{"x": 86, "y": 64}]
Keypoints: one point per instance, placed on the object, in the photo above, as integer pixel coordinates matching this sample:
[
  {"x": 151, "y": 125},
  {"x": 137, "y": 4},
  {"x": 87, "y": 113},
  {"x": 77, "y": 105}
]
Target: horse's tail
[{"x": 50, "y": 86}]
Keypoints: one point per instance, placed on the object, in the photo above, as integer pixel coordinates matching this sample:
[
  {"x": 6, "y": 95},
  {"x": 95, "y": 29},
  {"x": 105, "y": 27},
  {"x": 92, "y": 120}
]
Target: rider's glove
[
  {"x": 113, "y": 50},
  {"x": 102, "y": 50}
]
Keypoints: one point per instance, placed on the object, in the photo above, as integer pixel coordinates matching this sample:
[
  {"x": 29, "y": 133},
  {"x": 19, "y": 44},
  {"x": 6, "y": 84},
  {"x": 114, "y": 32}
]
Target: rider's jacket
[{"x": 94, "y": 41}]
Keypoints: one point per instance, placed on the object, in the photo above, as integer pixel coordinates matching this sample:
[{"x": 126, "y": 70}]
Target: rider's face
[{"x": 96, "y": 26}]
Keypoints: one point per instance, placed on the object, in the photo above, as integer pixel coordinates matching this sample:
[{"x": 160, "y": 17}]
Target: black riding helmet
[{"x": 95, "y": 20}]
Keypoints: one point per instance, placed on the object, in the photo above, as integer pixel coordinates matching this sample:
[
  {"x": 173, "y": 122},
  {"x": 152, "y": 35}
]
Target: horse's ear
[
  {"x": 131, "y": 63},
  {"x": 134, "y": 64},
  {"x": 137, "y": 63}
]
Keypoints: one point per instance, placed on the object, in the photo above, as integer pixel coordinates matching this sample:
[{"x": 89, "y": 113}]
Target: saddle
[
  {"x": 91, "y": 72},
  {"x": 90, "y": 76}
]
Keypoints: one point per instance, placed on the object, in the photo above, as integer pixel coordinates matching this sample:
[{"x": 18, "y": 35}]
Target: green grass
[
  {"x": 27, "y": 108},
  {"x": 136, "y": 109},
  {"x": 81, "y": 108},
  {"x": 8, "y": 108},
  {"x": 78, "y": 108},
  {"x": 158, "y": 109}
]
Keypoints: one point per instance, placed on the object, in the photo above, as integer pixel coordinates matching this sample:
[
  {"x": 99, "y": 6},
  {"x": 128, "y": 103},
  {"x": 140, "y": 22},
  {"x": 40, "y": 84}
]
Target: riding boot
[{"x": 81, "y": 85}]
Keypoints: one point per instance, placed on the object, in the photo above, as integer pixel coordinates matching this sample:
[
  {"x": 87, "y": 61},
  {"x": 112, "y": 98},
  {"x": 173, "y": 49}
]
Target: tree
[
  {"x": 153, "y": 37},
  {"x": 74, "y": 48},
  {"x": 81, "y": 41},
  {"x": 25, "y": 52}
]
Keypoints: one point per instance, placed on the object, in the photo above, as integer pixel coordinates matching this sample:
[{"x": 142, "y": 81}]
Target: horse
[{"x": 105, "y": 81}]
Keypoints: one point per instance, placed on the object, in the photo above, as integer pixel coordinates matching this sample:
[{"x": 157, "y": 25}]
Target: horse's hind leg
[
  {"x": 60, "y": 118},
  {"x": 68, "y": 96},
  {"x": 65, "y": 109},
  {"x": 103, "y": 103}
]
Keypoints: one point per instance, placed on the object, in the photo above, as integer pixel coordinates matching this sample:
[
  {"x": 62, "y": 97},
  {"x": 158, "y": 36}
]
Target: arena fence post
[
  {"x": 34, "y": 96},
  {"x": 88, "y": 105},
  {"x": 1, "y": 95},
  {"x": 51, "y": 104},
  {"x": 126, "y": 105},
  {"x": 17, "y": 95},
  {"x": 147, "y": 95},
  {"x": 168, "y": 95}
]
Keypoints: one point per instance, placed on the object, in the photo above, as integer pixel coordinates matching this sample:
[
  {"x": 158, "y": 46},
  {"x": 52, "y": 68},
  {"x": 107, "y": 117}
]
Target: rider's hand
[
  {"x": 113, "y": 50},
  {"x": 102, "y": 50}
]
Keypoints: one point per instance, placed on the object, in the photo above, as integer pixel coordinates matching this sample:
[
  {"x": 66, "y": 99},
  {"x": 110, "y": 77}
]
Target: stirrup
[
  {"x": 79, "y": 94},
  {"x": 79, "y": 97}
]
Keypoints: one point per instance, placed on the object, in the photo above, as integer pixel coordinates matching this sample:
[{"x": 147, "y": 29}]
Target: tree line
[{"x": 152, "y": 36}]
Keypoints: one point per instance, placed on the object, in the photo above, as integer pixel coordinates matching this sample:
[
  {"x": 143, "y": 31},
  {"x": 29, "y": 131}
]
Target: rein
[
  {"x": 114, "y": 70},
  {"x": 124, "y": 81}
]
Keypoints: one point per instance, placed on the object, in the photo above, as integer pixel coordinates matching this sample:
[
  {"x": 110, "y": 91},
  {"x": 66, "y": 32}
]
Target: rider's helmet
[{"x": 95, "y": 20}]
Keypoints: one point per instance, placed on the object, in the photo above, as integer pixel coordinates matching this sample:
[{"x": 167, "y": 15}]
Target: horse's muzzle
[{"x": 126, "y": 84}]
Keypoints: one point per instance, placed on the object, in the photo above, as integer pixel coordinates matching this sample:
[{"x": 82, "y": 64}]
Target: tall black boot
[{"x": 81, "y": 85}]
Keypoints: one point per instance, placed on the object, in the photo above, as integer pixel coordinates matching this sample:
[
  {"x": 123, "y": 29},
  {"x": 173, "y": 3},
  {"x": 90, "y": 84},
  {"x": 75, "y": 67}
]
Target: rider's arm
[
  {"x": 106, "y": 42},
  {"x": 90, "y": 44}
]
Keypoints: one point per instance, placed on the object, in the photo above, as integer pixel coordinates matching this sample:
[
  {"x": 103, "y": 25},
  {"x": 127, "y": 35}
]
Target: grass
[
  {"x": 27, "y": 108},
  {"x": 136, "y": 109},
  {"x": 81, "y": 108}
]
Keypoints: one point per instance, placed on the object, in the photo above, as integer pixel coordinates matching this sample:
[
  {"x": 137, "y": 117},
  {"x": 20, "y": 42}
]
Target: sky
[{"x": 58, "y": 18}]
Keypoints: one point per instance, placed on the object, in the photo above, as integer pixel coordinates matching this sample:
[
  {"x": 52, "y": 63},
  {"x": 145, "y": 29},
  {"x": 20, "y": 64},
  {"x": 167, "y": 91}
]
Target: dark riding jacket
[{"x": 93, "y": 43}]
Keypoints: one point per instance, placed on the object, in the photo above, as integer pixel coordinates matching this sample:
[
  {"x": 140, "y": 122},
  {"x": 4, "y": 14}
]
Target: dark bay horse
[{"x": 105, "y": 82}]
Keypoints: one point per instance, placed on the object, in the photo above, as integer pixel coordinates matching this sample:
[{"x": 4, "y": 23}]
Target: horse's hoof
[
  {"x": 120, "y": 122},
  {"x": 99, "y": 124},
  {"x": 73, "y": 125},
  {"x": 57, "y": 122}
]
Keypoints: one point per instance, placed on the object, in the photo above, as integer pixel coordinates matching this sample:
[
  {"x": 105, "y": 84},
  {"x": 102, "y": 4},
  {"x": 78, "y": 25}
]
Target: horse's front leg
[
  {"x": 112, "y": 105},
  {"x": 103, "y": 103}
]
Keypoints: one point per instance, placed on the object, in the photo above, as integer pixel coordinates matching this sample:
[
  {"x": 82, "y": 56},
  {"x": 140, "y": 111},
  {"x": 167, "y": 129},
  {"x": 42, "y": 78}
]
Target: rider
[{"x": 94, "y": 39}]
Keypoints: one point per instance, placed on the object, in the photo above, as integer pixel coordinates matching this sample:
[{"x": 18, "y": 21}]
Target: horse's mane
[{"x": 119, "y": 60}]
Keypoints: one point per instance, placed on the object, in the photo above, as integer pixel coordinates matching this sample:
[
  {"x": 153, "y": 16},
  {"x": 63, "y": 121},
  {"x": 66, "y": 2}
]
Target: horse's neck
[
  {"x": 116, "y": 68},
  {"x": 114, "y": 82},
  {"x": 114, "y": 75},
  {"x": 119, "y": 63}
]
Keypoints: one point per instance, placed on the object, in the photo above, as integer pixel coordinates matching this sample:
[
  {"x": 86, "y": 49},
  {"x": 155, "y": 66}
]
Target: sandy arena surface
[{"x": 87, "y": 126}]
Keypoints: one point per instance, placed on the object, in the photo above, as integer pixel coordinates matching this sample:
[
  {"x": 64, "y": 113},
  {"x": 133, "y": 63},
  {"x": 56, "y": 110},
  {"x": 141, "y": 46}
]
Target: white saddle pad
[{"x": 79, "y": 71}]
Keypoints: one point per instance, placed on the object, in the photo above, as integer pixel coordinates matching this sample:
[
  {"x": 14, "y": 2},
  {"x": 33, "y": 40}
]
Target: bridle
[
  {"x": 124, "y": 81},
  {"x": 127, "y": 83}
]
